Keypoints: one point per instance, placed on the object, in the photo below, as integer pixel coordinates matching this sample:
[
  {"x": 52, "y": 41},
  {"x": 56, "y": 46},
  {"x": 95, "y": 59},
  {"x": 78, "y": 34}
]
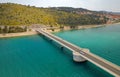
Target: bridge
[{"x": 98, "y": 61}]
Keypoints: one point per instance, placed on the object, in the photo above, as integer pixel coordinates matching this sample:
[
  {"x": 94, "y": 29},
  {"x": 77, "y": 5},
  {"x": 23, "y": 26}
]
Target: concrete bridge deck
[{"x": 100, "y": 62}]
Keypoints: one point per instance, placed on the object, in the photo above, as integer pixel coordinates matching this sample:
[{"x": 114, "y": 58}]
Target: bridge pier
[
  {"x": 82, "y": 54},
  {"x": 50, "y": 40},
  {"x": 77, "y": 56},
  {"x": 62, "y": 48}
]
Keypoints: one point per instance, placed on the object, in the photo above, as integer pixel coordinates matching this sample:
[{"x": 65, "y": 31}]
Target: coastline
[
  {"x": 7, "y": 35},
  {"x": 66, "y": 28},
  {"x": 17, "y": 34}
]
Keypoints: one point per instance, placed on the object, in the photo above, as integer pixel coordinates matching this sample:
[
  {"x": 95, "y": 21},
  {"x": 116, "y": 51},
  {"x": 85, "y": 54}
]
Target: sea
[{"x": 37, "y": 56}]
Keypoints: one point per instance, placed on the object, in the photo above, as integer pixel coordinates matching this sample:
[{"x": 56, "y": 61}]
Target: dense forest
[{"x": 17, "y": 14}]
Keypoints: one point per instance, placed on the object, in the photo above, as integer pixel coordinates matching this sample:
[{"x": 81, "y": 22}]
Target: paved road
[{"x": 102, "y": 63}]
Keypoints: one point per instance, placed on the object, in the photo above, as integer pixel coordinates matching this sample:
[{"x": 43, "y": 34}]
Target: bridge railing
[{"x": 49, "y": 35}]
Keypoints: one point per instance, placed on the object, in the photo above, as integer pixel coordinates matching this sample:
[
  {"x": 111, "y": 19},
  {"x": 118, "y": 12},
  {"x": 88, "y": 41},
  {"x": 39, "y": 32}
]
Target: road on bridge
[{"x": 102, "y": 63}]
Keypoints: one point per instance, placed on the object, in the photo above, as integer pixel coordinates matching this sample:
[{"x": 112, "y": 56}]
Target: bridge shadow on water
[
  {"x": 63, "y": 50},
  {"x": 88, "y": 66},
  {"x": 92, "y": 69}
]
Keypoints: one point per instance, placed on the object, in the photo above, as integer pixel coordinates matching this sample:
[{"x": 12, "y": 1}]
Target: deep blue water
[{"x": 34, "y": 56}]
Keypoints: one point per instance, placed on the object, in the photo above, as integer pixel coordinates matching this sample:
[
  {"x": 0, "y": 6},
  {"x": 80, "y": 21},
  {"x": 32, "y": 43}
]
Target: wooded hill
[{"x": 17, "y": 14}]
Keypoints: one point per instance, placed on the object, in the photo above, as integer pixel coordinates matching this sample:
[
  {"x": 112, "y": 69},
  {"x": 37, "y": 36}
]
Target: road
[{"x": 100, "y": 62}]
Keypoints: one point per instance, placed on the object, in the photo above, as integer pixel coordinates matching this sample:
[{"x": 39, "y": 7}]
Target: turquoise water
[
  {"x": 104, "y": 41},
  {"x": 34, "y": 56}
]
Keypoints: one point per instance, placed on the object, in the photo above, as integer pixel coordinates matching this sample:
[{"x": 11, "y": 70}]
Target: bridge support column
[{"x": 77, "y": 56}]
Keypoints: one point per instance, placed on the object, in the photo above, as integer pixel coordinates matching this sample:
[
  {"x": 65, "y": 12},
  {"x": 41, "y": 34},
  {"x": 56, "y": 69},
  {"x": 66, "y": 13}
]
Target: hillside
[{"x": 17, "y": 14}]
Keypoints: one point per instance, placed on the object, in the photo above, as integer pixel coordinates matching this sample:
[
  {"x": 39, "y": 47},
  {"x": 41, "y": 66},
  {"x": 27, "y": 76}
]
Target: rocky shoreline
[
  {"x": 51, "y": 30},
  {"x": 74, "y": 28}
]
